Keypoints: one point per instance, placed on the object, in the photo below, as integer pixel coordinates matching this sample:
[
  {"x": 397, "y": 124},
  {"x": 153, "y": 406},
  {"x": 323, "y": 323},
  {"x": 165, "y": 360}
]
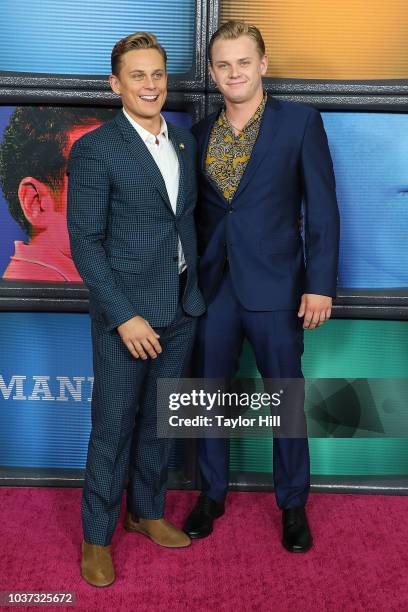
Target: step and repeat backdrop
[{"x": 349, "y": 60}]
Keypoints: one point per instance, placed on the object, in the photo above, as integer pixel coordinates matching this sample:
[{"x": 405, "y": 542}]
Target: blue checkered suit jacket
[{"x": 123, "y": 231}]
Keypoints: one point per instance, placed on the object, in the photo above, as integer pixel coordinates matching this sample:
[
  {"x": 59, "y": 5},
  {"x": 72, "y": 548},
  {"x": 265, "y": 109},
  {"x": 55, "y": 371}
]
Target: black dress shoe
[
  {"x": 199, "y": 523},
  {"x": 296, "y": 531}
]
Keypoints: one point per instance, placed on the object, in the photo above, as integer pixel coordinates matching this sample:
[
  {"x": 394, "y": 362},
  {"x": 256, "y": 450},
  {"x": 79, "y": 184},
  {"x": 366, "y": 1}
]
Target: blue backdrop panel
[
  {"x": 77, "y": 36},
  {"x": 46, "y": 382},
  {"x": 47, "y": 428},
  {"x": 370, "y": 156}
]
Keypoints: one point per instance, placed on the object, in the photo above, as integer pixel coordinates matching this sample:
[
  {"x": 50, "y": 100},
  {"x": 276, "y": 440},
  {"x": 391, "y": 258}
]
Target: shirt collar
[
  {"x": 145, "y": 135},
  {"x": 222, "y": 119}
]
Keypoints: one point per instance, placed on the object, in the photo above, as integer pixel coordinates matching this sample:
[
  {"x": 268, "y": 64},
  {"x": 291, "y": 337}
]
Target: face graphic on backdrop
[
  {"x": 370, "y": 155},
  {"x": 45, "y": 209},
  {"x": 39, "y": 201}
]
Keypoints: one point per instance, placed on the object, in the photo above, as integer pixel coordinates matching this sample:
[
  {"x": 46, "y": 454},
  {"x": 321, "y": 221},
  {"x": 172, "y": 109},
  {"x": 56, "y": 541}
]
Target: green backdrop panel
[{"x": 340, "y": 349}]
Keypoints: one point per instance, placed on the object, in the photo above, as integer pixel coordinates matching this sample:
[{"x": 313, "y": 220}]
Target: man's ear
[
  {"x": 115, "y": 84},
  {"x": 36, "y": 202},
  {"x": 264, "y": 65},
  {"x": 211, "y": 71}
]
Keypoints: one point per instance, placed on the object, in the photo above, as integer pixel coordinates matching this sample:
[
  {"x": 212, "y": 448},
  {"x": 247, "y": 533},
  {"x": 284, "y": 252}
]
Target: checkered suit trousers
[{"x": 123, "y": 443}]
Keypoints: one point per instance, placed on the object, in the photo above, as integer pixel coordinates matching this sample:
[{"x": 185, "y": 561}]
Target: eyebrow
[
  {"x": 137, "y": 71},
  {"x": 241, "y": 59}
]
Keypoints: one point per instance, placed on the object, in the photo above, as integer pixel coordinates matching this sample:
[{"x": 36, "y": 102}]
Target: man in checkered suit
[{"x": 131, "y": 199}]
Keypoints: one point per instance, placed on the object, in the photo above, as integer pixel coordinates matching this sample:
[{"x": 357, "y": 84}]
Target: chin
[
  {"x": 152, "y": 111},
  {"x": 237, "y": 97}
]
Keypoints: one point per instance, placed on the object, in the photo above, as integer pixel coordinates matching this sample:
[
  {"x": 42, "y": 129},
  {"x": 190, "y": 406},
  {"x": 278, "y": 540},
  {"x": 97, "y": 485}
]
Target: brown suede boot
[
  {"x": 96, "y": 564},
  {"x": 159, "y": 531}
]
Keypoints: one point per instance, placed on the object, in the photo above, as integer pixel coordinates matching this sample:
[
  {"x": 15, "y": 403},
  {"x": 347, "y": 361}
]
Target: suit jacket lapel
[
  {"x": 263, "y": 143},
  {"x": 179, "y": 147},
  {"x": 203, "y": 146},
  {"x": 142, "y": 155}
]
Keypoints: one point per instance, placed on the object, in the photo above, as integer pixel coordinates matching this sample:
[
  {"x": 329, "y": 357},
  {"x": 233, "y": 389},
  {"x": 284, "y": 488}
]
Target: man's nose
[
  {"x": 234, "y": 72},
  {"x": 149, "y": 83}
]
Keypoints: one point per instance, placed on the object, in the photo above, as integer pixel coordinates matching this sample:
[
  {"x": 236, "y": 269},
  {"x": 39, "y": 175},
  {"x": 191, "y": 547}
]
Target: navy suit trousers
[
  {"x": 123, "y": 444},
  {"x": 277, "y": 340}
]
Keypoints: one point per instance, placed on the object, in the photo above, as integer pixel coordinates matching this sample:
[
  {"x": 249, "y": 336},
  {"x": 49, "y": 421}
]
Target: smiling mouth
[{"x": 149, "y": 98}]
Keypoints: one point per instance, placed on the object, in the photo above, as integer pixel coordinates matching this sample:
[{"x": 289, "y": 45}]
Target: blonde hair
[
  {"x": 138, "y": 40},
  {"x": 234, "y": 29}
]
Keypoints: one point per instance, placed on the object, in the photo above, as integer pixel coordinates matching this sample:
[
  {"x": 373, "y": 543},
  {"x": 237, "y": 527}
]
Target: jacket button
[{"x": 231, "y": 209}]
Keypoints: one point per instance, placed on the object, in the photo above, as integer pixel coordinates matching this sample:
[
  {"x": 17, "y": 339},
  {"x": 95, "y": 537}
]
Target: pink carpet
[{"x": 359, "y": 561}]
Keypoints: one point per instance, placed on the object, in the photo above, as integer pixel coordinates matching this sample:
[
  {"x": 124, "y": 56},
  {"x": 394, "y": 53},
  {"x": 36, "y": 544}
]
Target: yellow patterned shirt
[{"x": 227, "y": 154}]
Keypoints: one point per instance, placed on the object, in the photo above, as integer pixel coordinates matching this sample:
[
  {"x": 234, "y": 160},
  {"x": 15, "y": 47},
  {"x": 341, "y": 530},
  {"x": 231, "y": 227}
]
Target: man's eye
[
  {"x": 158, "y": 76},
  {"x": 138, "y": 77}
]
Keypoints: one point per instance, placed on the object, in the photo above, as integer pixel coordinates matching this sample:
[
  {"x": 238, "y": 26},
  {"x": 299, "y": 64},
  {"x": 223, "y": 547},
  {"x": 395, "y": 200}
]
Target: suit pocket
[{"x": 133, "y": 266}]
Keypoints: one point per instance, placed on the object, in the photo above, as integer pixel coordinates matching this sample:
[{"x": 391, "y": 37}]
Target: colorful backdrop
[{"x": 348, "y": 59}]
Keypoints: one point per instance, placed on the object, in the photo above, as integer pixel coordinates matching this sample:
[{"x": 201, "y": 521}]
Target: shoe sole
[
  {"x": 198, "y": 537},
  {"x": 99, "y": 586},
  {"x": 297, "y": 550},
  {"x": 147, "y": 535}
]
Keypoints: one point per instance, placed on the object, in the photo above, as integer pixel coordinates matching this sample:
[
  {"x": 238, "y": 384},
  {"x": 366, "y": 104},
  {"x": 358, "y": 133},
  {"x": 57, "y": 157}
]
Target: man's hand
[
  {"x": 316, "y": 309},
  {"x": 140, "y": 338}
]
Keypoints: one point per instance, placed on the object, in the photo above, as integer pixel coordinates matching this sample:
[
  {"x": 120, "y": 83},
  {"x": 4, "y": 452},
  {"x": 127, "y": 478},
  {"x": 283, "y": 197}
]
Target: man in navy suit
[
  {"x": 131, "y": 200},
  {"x": 259, "y": 158}
]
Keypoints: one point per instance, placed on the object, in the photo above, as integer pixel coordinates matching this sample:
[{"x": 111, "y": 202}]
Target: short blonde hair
[
  {"x": 234, "y": 29},
  {"x": 138, "y": 40}
]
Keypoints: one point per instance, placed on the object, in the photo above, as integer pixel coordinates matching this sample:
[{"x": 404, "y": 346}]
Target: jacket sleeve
[
  {"x": 87, "y": 218},
  {"x": 322, "y": 224}
]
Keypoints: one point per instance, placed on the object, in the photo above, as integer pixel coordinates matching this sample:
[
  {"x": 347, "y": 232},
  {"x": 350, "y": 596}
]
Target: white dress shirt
[{"x": 167, "y": 161}]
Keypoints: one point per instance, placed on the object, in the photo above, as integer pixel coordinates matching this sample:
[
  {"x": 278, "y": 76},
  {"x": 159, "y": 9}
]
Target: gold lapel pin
[{"x": 181, "y": 146}]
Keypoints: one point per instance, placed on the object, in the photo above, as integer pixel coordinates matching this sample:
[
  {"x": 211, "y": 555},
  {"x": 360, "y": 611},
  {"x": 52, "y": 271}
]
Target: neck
[
  {"x": 151, "y": 124},
  {"x": 239, "y": 113},
  {"x": 50, "y": 243}
]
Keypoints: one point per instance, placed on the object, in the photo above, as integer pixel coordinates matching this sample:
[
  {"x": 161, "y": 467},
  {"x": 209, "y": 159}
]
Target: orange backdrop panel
[{"x": 329, "y": 39}]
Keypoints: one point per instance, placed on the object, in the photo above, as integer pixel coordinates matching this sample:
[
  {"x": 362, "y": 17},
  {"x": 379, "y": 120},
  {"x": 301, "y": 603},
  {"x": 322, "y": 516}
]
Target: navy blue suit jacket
[
  {"x": 271, "y": 266},
  {"x": 123, "y": 231}
]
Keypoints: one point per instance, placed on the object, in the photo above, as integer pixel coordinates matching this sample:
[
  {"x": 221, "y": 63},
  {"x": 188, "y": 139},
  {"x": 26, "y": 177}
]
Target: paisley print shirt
[{"x": 227, "y": 154}]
